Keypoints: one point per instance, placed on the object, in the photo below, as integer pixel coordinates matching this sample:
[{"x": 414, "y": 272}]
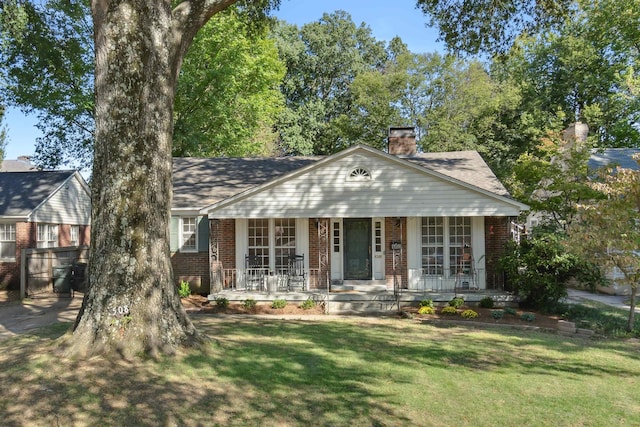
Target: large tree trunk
[{"x": 132, "y": 306}]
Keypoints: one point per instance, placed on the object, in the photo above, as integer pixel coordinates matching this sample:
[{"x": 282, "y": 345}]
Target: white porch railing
[
  {"x": 450, "y": 282},
  {"x": 242, "y": 280}
]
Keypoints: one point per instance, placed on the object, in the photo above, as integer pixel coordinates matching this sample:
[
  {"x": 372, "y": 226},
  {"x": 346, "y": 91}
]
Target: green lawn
[{"x": 331, "y": 373}]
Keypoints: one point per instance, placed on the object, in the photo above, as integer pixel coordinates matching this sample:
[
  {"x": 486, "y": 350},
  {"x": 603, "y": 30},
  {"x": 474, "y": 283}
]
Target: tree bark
[
  {"x": 132, "y": 306},
  {"x": 632, "y": 308}
]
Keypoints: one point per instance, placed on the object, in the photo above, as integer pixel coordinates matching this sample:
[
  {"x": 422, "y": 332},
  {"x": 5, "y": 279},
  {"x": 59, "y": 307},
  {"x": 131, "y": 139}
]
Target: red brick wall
[
  {"x": 314, "y": 244},
  {"x": 84, "y": 234},
  {"x": 192, "y": 267},
  {"x": 10, "y": 271},
  {"x": 401, "y": 236},
  {"x": 497, "y": 234},
  {"x": 26, "y": 237},
  {"x": 227, "y": 243},
  {"x": 64, "y": 235}
]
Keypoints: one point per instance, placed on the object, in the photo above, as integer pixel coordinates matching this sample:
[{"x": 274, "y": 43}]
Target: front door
[{"x": 357, "y": 248}]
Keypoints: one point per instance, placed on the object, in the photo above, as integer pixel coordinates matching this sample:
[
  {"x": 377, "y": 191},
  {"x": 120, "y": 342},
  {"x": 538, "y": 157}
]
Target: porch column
[
  {"x": 215, "y": 266},
  {"x": 323, "y": 253}
]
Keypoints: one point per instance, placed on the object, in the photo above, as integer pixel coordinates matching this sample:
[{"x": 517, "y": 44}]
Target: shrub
[
  {"x": 487, "y": 302},
  {"x": 425, "y": 309},
  {"x": 528, "y": 317},
  {"x": 249, "y": 304},
  {"x": 469, "y": 314},
  {"x": 184, "y": 290},
  {"x": 456, "y": 302},
  {"x": 497, "y": 314},
  {"x": 308, "y": 304},
  {"x": 278, "y": 304},
  {"x": 538, "y": 269},
  {"x": 449, "y": 310},
  {"x": 222, "y": 302},
  {"x": 426, "y": 303},
  {"x": 510, "y": 310}
]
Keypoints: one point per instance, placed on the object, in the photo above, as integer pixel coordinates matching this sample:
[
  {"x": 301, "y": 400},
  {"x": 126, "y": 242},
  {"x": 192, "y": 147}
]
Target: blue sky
[{"x": 386, "y": 19}]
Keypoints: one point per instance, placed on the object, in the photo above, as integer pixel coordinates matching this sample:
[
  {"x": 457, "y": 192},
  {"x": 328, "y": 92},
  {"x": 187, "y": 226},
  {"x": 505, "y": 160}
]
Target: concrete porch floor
[{"x": 360, "y": 301}]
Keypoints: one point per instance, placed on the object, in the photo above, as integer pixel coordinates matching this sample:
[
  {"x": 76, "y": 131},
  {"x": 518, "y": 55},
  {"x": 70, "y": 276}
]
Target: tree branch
[{"x": 188, "y": 17}]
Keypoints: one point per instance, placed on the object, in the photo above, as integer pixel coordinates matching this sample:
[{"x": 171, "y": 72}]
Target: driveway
[{"x": 18, "y": 317}]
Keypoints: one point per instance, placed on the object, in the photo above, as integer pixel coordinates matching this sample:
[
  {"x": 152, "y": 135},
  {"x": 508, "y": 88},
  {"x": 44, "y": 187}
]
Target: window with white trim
[
  {"x": 378, "y": 236},
  {"x": 47, "y": 236},
  {"x": 285, "y": 242},
  {"x": 7, "y": 240},
  {"x": 433, "y": 245},
  {"x": 188, "y": 234},
  {"x": 359, "y": 174},
  {"x": 459, "y": 240},
  {"x": 259, "y": 242},
  {"x": 444, "y": 235},
  {"x": 74, "y": 235},
  {"x": 336, "y": 236},
  {"x": 272, "y": 241}
]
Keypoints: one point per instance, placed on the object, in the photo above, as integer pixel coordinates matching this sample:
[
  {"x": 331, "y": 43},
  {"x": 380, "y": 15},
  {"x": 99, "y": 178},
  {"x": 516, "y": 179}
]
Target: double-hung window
[
  {"x": 259, "y": 242},
  {"x": 285, "y": 242},
  {"x": 189, "y": 234},
  {"x": 433, "y": 245},
  {"x": 47, "y": 236},
  {"x": 446, "y": 244},
  {"x": 272, "y": 242},
  {"x": 74, "y": 235},
  {"x": 7, "y": 240}
]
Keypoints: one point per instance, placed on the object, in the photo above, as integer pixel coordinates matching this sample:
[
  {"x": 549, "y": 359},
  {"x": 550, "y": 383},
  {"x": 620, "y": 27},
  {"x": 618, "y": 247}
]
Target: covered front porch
[{"x": 363, "y": 296}]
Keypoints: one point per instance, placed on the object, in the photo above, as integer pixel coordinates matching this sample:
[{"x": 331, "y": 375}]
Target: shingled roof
[
  {"x": 22, "y": 192},
  {"x": 621, "y": 157},
  {"x": 199, "y": 182}
]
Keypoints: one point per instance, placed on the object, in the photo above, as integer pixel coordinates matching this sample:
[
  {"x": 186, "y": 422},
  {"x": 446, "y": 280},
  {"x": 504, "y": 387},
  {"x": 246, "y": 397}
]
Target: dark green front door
[{"x": 357, "y": 248}]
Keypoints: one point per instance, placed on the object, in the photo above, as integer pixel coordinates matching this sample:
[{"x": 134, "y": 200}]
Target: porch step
[
  {"x": 363, "y": 286},
  {"x": 361, "y": 307},
  {"x": 368, "y": 302}
]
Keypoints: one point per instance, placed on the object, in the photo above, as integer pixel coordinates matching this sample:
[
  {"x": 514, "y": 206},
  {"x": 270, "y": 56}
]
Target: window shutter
[
  {"x": 203, "y": 234},
  {"x": 173, "y": 234}
]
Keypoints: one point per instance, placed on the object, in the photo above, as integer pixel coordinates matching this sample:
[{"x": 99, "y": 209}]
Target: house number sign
[{"x": 119, "y": 311}]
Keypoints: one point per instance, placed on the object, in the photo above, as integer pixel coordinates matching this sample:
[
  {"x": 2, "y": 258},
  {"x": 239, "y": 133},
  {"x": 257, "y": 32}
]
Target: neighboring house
[
  {"x": 623, "y": 158},
  {"x": 40, "y": 209},
  {"x": 22, "y": 164},
  {"x": 359, "y": 216}
]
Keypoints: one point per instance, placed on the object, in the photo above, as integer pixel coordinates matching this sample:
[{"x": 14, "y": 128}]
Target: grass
[
  {"x": 604, "y": 319},
  {"x": 355, "y": 372}
]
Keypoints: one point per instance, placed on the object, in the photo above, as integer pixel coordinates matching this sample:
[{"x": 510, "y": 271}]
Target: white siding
[
  {"x": 70, "y": 204},
  {"x": 395, "y": 190}
]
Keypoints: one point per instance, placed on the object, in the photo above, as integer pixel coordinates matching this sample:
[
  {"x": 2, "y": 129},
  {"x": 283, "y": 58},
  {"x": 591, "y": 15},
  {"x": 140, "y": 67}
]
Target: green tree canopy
[
  {"x": 489, "y": 25},
  {"x": 226, "y": 102},
  {"x": 609, "y": 230},
  {"x": 228, "y": 93},
  {"x": 322, "y": 59}
]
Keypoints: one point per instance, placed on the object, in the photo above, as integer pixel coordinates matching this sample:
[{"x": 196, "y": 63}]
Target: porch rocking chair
[
  {"x": 254, "y": 273},
  {"x": 297, "y": 277}
]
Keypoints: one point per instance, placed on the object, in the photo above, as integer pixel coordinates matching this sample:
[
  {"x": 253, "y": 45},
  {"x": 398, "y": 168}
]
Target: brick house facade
[
  {"x": 360, "y": 214},
  {"x": 59, "y": 201}
]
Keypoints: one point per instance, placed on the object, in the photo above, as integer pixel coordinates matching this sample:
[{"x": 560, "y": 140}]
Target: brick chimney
[
  {"x": 576, "y": 132},
  {"x": 402, "y": 141}
]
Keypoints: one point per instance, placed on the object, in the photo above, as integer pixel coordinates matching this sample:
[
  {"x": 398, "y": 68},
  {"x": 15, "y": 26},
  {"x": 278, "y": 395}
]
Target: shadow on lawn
[{"x": 273, "y": 372}]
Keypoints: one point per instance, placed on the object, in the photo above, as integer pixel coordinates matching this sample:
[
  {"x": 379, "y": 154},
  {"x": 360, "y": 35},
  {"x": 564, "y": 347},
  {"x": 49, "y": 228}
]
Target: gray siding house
[{"x": 40, "y": 209}]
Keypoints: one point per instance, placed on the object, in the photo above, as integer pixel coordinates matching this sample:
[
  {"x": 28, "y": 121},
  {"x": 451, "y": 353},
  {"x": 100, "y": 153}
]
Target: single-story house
[
  {"x": 40, "y": 209},
  {"x": 402, "y": 218}
]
